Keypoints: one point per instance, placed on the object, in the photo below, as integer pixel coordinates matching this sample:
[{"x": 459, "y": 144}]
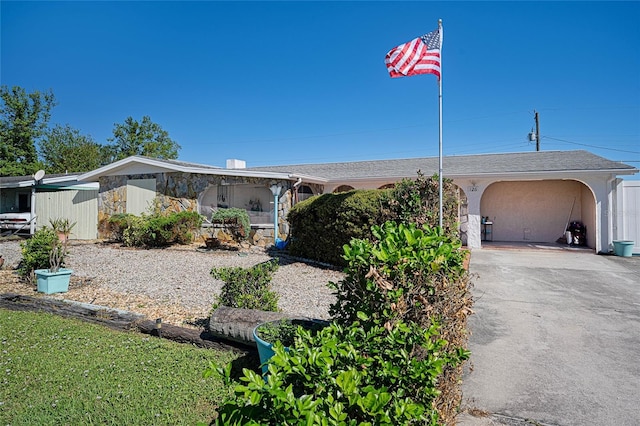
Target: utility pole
[{"x": 537, "y": 131}]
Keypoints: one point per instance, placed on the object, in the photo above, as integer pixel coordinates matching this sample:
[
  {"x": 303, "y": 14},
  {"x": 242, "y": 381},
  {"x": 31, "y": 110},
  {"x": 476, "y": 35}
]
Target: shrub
[
  {"x": 285, "y": 329},
  {"x": 156, "y": 229},
  {"x": 116, "y": 225},
  {"x": 247, "y": 288},
  {"x": 237, "y": 220},
  {"x": 321, "y": 225},
  {"x": 36, "y": 251},
  {"x": 393, "y": 352},
  {"x": 418, "y": 201},
  {"x": 185, "y": 223},
  {"x": 353, "y": 375},
  {"x": 414, "y": 276}
]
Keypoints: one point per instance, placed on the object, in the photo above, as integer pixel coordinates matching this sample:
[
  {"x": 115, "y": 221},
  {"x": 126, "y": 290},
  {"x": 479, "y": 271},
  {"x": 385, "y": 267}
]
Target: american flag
[{"x": 419, "y": 56}]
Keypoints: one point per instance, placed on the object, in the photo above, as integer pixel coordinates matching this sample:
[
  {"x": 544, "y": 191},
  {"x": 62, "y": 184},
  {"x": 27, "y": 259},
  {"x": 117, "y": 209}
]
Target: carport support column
[
  {"x": 602, "y": 191},
  {"x": 474, "y": 195}
]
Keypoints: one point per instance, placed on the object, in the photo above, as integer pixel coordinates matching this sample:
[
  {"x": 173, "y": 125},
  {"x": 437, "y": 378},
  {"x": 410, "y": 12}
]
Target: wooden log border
[{"x": 120, "y": 320}]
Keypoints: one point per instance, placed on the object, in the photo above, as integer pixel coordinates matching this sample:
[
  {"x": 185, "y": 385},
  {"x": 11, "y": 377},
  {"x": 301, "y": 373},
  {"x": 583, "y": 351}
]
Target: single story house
[
  {"x": 140, "y": 184},
  {"x": 529, "y": 196}
]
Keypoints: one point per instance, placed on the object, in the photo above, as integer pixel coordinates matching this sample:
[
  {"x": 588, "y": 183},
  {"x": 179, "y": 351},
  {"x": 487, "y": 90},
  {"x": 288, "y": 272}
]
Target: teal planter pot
[
  {"x": 623, "y": 248},
  {"x": 284, "y": 329},
  {"x": 53, "y": 282},
  {"x": 265, "y": 351}
]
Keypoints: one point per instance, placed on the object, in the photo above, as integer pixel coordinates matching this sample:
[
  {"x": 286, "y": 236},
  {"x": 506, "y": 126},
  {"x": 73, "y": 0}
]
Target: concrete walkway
[{"x": 555, "y": 339}]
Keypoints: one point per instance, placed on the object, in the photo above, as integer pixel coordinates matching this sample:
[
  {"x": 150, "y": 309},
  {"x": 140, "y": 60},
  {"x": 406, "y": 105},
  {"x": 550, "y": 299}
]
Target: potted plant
[
  {"x": 283, "y": 330},
  {"x": 62, "y": 227},
  {"x": 56, "y": 278}
]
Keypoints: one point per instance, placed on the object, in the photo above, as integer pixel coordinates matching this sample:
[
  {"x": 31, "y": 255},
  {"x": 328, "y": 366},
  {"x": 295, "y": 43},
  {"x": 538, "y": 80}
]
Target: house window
[
  {"x": 343, "y": 188},
  {"x": 304, "y": 192},
  {"x": 24, "y": 202},
  {"x": 141, "y": 194}
]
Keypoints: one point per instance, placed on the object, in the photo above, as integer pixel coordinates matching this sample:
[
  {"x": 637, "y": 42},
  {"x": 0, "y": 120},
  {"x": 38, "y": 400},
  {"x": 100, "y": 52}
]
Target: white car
[{"x": 15, "y": 221}]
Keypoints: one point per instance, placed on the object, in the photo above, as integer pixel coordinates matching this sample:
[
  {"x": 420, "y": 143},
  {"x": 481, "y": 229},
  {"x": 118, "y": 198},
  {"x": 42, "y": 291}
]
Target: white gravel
[{"x": 180, "y": 274}]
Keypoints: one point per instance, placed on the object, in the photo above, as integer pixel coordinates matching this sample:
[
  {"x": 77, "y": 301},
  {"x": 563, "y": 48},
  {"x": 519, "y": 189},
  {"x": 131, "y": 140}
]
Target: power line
[{"x": 591, "y": 146}]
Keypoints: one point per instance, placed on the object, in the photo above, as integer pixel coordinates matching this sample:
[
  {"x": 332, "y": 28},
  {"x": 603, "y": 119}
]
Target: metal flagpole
[{"x": 440, "y": 126}]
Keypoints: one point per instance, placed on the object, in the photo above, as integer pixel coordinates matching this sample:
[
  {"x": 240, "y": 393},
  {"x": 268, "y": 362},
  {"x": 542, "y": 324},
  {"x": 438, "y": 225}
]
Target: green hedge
[{"x": 321, "y": 225}]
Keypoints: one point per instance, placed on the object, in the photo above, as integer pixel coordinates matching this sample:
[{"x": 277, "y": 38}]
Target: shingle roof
[
  {"x": 465, "y": 165},
  {"x": 178, "y": 162}
]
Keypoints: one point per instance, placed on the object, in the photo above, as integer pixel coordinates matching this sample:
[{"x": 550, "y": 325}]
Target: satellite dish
[{"x": 39, "y": 175}]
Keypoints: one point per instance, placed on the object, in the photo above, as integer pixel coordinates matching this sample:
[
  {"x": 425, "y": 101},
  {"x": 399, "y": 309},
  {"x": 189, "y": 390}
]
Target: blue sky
[{"x": 305, "y": 82}]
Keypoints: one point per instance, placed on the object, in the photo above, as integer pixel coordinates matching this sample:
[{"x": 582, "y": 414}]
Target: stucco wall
[
  {"x": 534, "y": 211},
  {"x": 589, "y": 215}
]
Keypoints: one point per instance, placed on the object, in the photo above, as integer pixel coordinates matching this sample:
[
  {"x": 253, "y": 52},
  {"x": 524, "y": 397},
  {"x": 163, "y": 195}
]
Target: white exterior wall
[{"x": 627, "y": 214}]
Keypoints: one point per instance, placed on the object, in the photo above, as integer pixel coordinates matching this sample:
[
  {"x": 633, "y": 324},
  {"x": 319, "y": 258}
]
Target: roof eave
[
  {"x": 543, "y": 173},
  {"x": 110, "y": 169},
  {"x": 27, "y": 183}
]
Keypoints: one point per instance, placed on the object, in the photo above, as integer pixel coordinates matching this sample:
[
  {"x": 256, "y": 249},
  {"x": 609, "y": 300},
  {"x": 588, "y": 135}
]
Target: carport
[
  {"x": 539, "y": 211},
  {"x": 530, "y": 197}
]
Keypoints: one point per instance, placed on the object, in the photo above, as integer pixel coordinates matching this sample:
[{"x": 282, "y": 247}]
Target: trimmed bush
[{"x": 321, "y": 225}]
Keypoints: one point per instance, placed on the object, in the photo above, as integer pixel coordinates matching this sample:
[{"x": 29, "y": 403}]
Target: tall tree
[
  {"x": 64, "y": 149},
  {"x": 23, "y": 121},
  {"x": 146, "y": 138}
]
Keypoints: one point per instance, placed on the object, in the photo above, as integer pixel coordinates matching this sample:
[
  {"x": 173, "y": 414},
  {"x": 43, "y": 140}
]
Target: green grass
[{"x": 57, "y": 371}]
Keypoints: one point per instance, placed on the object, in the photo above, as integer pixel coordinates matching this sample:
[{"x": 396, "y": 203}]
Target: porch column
[
  {"x": 605, "y": 221},
  {"x": 473, "y": 189}
]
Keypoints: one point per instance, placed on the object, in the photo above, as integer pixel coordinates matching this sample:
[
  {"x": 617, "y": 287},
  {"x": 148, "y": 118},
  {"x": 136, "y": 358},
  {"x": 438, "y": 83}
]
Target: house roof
[
  {"x": 138, "y": 164},
  {"x": 491, "y": 165},
  {"x": 28, "y": 181},
  {"x": 542, "y": 162}
]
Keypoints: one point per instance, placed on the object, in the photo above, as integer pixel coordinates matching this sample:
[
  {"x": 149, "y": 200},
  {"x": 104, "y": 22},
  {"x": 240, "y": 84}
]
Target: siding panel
[{"x": 80, "y": 206}]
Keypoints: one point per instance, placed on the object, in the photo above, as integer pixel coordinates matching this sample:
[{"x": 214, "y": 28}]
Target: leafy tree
[
  {"x": 146, "y": 138},
  {"x": 64, "y": 149},
  {"x": 23, "y": 121}
]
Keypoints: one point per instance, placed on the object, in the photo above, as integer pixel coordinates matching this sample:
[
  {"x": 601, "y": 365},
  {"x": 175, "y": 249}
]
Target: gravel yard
[{"x": 173, "y": 283}]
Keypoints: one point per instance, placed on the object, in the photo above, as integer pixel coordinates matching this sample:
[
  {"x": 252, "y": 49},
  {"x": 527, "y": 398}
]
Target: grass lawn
[{"x": 60, "y": 371}]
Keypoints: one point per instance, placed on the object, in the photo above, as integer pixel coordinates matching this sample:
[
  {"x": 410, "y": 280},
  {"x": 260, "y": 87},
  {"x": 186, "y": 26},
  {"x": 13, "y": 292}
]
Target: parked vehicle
[{"x": 15, "y": 220}]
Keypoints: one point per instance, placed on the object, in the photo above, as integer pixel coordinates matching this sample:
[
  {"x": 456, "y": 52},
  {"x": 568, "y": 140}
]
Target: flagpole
[{"x": 440, "y": 126}]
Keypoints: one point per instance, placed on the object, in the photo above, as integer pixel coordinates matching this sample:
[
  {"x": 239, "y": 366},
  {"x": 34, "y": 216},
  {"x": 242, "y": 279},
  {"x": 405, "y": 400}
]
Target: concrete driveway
[{"x": 555, "y": 338}]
